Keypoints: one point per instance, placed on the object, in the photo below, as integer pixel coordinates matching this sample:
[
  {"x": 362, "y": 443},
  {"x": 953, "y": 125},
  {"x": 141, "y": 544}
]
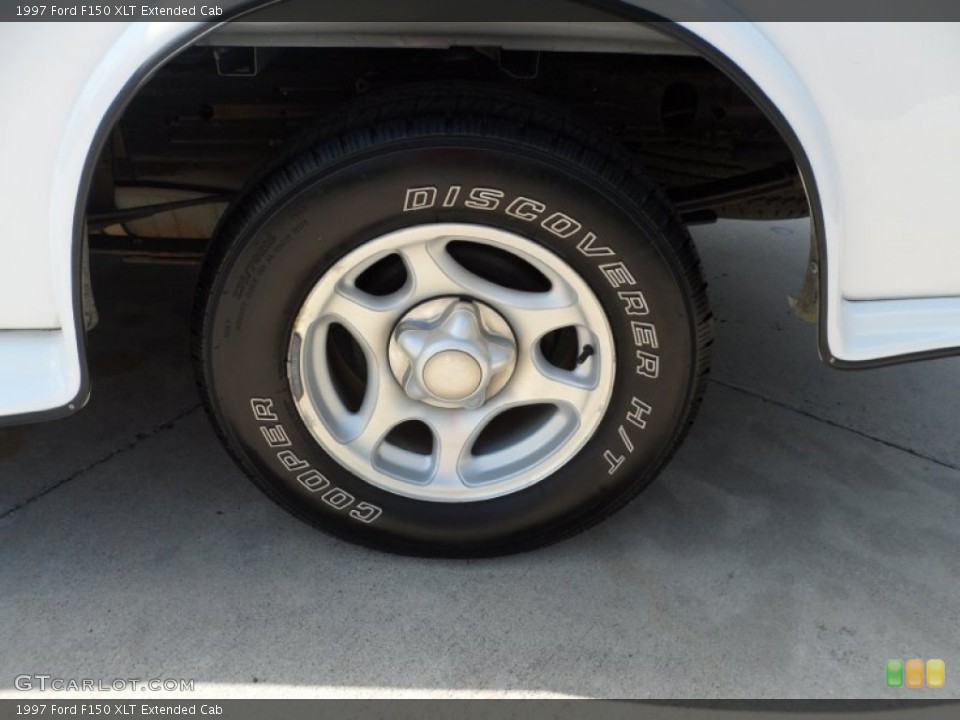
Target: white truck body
[{"x": 873, "y": 106}]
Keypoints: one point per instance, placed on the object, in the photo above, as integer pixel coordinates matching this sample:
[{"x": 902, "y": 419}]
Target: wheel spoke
[
  {"x": 370, "y": 317},
  {"x": 535, "y": 381},
  {"x": 531, "y": 323},
  {"x": 433, "y": 272},
  {"x": 454, "y": 432},
  {"x": 384, "y": 407}
]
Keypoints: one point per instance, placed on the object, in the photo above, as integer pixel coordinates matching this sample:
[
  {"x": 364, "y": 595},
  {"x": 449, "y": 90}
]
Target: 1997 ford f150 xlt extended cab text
[{"x": 449, "y": 304}]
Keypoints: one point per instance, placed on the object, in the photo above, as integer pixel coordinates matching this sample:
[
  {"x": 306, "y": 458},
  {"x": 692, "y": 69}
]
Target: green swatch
[{"x": 894, "y": 673}]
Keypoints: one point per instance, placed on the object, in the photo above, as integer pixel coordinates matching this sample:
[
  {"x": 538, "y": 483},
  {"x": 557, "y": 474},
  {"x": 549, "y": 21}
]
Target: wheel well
[{"x": 195, "y": 133}]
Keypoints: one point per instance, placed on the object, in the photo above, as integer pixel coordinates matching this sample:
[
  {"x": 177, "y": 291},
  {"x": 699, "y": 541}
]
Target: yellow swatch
[{"x": 936, "y": 673}]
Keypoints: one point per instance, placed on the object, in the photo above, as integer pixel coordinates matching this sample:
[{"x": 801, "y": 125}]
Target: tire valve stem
[{"x": 587, "y": 351}]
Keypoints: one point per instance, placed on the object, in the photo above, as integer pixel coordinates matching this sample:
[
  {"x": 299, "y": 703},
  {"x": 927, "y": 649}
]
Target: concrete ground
[{"x": 805, "y": 533}]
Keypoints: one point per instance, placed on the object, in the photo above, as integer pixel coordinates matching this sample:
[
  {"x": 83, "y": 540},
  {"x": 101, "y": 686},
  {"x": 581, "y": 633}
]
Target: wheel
[{"x": 452, "y": 322}]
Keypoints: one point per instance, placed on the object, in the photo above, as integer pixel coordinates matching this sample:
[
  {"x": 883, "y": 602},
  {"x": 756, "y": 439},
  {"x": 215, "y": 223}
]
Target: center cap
[
  {"x": 453, "y": 353},
  {"x": 452, "y": 375}
]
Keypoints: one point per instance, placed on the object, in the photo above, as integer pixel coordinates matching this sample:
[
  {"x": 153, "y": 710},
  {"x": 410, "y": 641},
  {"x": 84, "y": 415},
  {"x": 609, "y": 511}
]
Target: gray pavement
[{"x": 805, "y": 533}]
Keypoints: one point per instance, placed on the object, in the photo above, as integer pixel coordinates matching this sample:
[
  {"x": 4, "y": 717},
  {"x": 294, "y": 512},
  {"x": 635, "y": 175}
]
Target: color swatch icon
[
  {"x": 911, "y": 673},
  {"x": 894, "y": 673},
  {"x": 914, "y": 673},
  {"x": 936, "y": 673}
]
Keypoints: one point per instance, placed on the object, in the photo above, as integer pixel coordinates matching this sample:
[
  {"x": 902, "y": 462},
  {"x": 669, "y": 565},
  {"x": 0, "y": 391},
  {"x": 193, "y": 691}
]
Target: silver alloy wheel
[{"x": 452, "y": 351}]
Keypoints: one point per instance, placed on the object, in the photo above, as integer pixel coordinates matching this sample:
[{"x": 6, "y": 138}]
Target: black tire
[{"x": 345, "y": 184}]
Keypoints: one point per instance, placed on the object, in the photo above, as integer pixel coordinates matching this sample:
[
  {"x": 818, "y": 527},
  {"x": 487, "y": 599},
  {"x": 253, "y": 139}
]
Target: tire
[{"x": 355, "y": 288}]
